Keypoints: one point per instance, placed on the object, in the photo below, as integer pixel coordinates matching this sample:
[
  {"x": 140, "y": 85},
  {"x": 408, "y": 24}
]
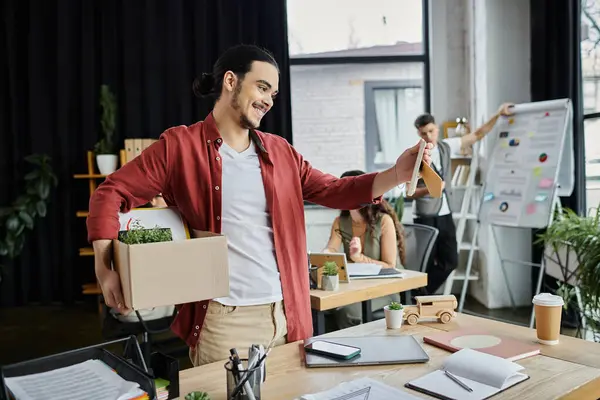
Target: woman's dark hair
[
  {"x": 237, "y": 59},
  {"x": 373, "y": 214}
]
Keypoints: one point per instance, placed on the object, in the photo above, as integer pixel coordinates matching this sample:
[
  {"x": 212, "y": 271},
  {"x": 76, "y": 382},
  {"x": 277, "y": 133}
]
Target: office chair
[{"x": 419, "y": 240}]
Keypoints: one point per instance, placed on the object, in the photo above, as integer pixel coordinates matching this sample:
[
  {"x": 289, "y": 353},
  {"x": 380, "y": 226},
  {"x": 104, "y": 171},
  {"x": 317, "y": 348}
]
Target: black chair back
[{"x": 420, "y": 240}]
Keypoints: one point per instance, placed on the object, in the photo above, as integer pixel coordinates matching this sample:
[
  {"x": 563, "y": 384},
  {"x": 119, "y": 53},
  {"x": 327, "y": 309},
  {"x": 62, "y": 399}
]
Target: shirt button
[
  {"x": 195, "y": 333},
  {"x": 216, "y": 188},
  {"x": 218, "y": 218},
  {"x": 204, "y": 306},
  {"x": 218, "y": 158},
  {"x": 197, "y": 327},
  {"x": 208, "y": 141},
  {"x": 218, "y": 140}
]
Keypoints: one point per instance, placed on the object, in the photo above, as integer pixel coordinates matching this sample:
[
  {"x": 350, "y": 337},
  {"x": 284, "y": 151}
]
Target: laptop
[{"x": 375, "y": 350}]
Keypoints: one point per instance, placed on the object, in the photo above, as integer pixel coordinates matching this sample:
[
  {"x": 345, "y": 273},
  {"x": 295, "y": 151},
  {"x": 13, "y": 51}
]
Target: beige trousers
[{"x": 239, "y": 327}]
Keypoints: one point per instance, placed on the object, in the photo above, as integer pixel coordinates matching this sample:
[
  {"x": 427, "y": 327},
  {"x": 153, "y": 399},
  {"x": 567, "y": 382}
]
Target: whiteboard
[{"x": 532, "y": 161}]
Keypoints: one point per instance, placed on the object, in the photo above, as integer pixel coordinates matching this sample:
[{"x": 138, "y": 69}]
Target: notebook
[
  {"x": 487, "y": 375},
  {"x": 480, "y": 340},
  {"x": 372, "y": 271}
]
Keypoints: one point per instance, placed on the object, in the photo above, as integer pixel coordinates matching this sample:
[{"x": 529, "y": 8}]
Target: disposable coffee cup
[{"x": 548, "y": 312}]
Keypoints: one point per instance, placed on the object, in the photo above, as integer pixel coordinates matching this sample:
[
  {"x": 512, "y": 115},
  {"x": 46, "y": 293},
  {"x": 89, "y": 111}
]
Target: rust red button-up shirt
[{"x": 185, "y": 166}]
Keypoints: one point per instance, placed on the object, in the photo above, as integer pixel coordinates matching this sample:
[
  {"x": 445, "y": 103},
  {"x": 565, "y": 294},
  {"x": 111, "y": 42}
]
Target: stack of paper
[
  {"x": 90, "y": 379},
  {"x": 361, "y": 389}
]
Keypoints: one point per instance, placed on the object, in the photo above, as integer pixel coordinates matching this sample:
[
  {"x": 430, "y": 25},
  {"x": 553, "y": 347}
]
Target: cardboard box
[{"x": 170, "y": 273}]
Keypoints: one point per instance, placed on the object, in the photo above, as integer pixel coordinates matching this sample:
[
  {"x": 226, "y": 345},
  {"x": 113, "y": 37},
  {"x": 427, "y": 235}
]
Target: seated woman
[{"x": 371, "y": 235}]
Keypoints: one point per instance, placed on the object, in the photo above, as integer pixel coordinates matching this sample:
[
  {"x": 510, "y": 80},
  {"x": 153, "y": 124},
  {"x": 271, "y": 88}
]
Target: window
[
  {"x": 357, "y": 73},
  {"x": 390, "y": 109},
  {"x": 590, "y": 65}
]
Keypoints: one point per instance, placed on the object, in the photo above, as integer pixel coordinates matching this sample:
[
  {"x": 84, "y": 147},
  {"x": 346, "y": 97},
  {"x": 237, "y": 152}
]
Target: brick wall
[{"x": 328, "y": 110}]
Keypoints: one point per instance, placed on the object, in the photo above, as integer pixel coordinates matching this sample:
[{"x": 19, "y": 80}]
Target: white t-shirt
[
  {"x": 436, "y": 160},
  {"x": 246, "y": 222}
]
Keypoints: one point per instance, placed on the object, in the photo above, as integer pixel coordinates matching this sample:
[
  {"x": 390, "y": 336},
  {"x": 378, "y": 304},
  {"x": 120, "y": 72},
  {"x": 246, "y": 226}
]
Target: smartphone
[
  {"x": 415, "y": 175},
  {"x": 335, "y": 350}
]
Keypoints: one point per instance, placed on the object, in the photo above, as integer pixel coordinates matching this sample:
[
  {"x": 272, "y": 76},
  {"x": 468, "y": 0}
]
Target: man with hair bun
[{"x": 227, "y": 177}]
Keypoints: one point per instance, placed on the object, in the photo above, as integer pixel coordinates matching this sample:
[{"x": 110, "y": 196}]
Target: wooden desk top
[
  {"x": 365, "y": 289},
  {"x": 551, "y": 376}
]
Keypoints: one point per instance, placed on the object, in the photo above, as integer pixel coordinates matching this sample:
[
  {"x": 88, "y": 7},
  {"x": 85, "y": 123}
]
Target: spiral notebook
[{"x": 485, "y": 374}]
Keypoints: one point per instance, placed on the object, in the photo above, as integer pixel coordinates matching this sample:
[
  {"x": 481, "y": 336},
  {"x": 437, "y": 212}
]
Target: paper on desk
[
  {"x": 90, "y": 379},
  {"x": 360, "y": 269},
  {"x": 361, "y": 389}
]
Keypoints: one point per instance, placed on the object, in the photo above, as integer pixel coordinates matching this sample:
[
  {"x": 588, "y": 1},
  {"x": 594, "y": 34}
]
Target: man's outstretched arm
[
  {"x": 469, "y": 139},
  {"x": 351, "y": 193}
]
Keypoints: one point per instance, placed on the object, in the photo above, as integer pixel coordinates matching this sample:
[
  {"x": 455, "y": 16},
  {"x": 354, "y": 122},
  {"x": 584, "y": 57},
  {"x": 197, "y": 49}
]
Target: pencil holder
[{"x": 250, "y": 389}]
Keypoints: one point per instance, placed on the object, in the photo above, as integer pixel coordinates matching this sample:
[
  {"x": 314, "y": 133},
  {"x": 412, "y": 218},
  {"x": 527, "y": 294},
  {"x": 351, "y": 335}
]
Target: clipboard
[{"x": 316, "y": 260}]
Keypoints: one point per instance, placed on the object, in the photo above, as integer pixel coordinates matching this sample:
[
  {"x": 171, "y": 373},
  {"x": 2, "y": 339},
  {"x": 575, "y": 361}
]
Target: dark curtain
[
  {"x": 57, "y": 53},
  {"x": 555, "y": 74}
]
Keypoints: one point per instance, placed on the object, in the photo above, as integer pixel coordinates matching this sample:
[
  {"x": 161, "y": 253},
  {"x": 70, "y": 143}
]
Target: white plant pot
[
  {"x": 107, "y": 163},
  {"x": 331, "y": 283},
  {"x": 393, "y": 318}
]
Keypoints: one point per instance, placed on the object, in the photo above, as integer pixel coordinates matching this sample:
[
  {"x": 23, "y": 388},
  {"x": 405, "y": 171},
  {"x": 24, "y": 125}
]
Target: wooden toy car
[{"x": 440, "y": 307}]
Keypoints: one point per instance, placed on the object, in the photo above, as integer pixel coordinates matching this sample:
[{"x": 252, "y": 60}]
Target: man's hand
[
  {"x": 405, "y": 164},
  {"x": 506, "y": 109},
  {"x": 110, "y": 283},
  {"x": 355, "y": 248}
]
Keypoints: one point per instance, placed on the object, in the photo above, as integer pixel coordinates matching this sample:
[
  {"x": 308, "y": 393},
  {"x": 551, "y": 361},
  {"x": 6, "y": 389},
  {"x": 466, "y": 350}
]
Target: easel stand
[{"x": 556, "y": 206}]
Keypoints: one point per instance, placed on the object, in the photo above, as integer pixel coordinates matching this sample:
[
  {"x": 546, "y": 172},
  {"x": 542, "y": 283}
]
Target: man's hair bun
[{"x": 204, "y": 85}]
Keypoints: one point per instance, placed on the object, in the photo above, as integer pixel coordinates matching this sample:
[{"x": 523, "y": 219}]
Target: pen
[
  {"x": 245, "y": 379},
  {"x": 242, "y": 380},
  {"x": 458, "y": 381}
]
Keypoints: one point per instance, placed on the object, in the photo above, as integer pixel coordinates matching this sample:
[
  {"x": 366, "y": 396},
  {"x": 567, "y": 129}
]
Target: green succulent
[
  {"x": 197, "y": 396},
  {"x": 330, "y": 268},
  {"x": 395, "y": 306}
]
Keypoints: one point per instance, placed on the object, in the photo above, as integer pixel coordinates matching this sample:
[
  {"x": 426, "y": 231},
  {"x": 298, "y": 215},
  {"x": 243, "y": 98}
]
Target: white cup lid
[{"x": 548, "y": 300}]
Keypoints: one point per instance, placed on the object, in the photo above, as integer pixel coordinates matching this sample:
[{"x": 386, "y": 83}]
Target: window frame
[
  {"x": 409, "y": 58},
  {"x": 371, "y": 114}
]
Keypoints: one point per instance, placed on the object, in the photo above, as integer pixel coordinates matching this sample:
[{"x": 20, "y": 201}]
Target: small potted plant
[
  {"x": 330, "y": 279},
  {"x": 106, "y": 153},
  {"x": 393, "y": 315}
]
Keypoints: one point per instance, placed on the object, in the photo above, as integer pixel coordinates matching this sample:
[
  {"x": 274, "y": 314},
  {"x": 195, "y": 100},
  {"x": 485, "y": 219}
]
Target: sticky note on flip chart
[
  {"x": 537, "y": 171},
  {"x": 530, "y": 209},
  {"x": 546, "y": 183}
]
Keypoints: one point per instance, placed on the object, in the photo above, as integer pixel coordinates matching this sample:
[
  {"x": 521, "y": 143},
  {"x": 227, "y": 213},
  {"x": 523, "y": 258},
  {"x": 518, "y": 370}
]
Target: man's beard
[{"x": 244, "y": 120}]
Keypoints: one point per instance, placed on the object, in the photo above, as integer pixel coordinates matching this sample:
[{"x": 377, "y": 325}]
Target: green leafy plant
[
  {"x": 395, "y": 306},
  {"x": 137, "y": 234},
  {"x": 197, "y": 396},
  {"x": 330, "y": 268},
  {"x": 578, "y": 235},
  {"x": 108, "y": 103},
  {"x": 20, "y": 216}
]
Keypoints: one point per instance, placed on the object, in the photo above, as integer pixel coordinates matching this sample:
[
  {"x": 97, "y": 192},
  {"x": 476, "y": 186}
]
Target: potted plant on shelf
[
  {"x": 106, "y": 154},
  {"x": 394, "y": 312},
  {"x": 330, "y": 279}
]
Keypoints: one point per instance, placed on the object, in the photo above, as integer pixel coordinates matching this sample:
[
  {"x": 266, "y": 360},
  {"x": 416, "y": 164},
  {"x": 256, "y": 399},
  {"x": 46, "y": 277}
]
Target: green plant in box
[
  {"x": 395, "y": 306},
  {"x": 330, "y": 268},
  {"x": 139, "y": 235}
]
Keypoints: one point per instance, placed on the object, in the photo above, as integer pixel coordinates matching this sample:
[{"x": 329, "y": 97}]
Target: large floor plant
[{"x": 571, "y": 235}]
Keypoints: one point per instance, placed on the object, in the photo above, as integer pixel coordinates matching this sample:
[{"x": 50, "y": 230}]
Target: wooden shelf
[
  {"x": 91, "y": 288},
  {"x": 82, "y": 214},
  {"x": 86, "y": 251},
  {"x": 89, "y": 176}
]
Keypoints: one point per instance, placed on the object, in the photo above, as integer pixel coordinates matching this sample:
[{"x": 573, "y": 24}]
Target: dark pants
[{"x": 444, "y": 256}]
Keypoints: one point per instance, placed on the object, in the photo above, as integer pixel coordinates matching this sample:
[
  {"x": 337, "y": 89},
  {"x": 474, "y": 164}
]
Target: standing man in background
[
  {"x": 436, "y": 212},
  {"x": 225, "y": 176}
]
